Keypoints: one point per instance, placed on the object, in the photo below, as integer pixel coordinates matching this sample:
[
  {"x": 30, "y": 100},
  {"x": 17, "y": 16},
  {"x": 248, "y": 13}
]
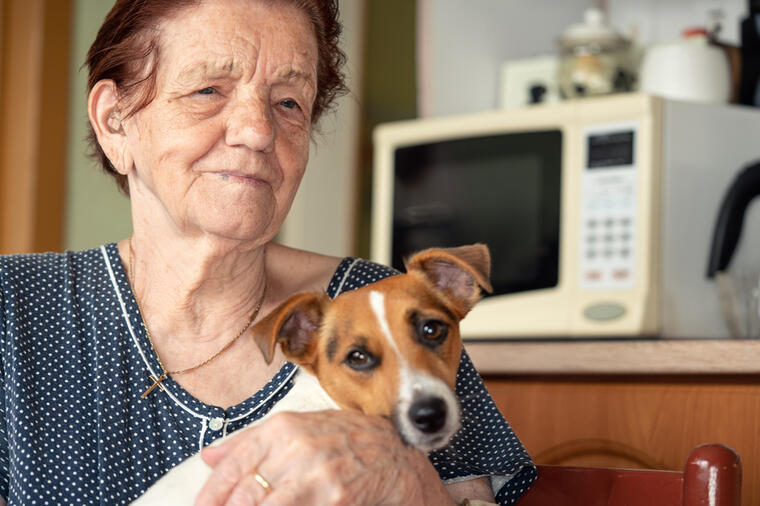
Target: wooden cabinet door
[{"x": 634, "y": 422}]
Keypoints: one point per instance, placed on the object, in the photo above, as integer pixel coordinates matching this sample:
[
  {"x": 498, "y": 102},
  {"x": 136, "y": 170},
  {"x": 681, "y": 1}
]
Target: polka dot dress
[{"x": 75, "y": 359}]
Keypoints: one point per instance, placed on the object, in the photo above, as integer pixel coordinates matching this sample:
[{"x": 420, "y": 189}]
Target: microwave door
[{"x": 502, "y": 190}]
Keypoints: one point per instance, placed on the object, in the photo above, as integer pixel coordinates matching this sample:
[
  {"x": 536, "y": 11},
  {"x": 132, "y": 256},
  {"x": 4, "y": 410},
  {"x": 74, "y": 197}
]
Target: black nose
[{"x": 428, "y": 414}]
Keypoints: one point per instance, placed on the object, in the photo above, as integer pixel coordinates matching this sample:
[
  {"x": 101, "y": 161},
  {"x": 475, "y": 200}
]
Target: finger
[
  {"x": 211, "y": 455},
  {"x": 290, "y": 495},
  {"x": 225, "y": 476},
  {"x": 235, "y": 459},
  {"x": 248, "y": 492}
]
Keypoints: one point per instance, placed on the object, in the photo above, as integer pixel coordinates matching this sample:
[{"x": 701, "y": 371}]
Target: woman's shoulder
[
  {"x": 49, "y": 284},
  {"x": 309, "y": 271},
  {"x": 48, "y": 262},
  {"x": 355, "y": 273},
  {"x": 30, "y": 274},
  {"x": 303, "y": 270}
]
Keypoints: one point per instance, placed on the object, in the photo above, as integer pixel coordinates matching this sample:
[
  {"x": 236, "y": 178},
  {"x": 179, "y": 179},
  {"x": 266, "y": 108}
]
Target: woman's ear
[{"x": 106, "y": 121}]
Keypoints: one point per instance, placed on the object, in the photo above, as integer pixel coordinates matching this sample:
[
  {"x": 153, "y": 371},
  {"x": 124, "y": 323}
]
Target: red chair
[{"x": 711, "y": 477}]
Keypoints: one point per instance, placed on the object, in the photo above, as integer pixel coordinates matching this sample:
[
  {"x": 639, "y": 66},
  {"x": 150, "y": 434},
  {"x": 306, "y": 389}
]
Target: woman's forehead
[{"x": 226, "y": 38}]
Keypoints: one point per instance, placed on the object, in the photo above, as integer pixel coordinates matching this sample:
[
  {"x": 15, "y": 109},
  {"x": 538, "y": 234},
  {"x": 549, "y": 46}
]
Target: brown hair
[{"x": 126, "y": 50}]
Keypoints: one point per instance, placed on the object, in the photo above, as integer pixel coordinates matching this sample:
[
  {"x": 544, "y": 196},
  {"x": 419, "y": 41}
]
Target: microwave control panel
[{"x": 608, "y": 207}]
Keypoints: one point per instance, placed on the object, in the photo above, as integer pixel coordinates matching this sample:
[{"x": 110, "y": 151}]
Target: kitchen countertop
[{"x": 634, "y": 356}]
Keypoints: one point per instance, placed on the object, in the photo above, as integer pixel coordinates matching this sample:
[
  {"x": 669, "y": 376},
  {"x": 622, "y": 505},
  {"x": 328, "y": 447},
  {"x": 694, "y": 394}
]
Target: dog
[{"x": 390, "y": 349}]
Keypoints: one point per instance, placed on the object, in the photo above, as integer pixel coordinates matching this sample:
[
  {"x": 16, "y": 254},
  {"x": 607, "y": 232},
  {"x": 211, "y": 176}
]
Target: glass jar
[{"x": 594, "y": 59}]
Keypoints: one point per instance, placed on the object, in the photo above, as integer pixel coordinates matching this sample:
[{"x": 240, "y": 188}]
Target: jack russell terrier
[{"x": 390, "y": 349}]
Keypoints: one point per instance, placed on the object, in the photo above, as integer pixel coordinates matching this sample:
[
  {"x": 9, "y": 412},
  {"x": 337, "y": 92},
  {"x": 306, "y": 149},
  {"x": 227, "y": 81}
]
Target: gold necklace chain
[{"x": 164, "y": 373}]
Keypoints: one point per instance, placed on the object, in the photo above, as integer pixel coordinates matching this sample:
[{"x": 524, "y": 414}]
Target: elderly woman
[{"x": 120, "y": 362}]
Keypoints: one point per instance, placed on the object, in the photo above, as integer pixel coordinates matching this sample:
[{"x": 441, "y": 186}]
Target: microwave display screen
[
  {"x": 502, "y": 190},
  {"x": 613, "y": 149}
]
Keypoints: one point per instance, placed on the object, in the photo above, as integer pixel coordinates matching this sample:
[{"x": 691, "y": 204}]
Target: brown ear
[
  {"x": 459, "y": 272},
  {"x": 294, "y": 323}
]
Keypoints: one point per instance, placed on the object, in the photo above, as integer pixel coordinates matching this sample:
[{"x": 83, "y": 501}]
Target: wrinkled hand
[{"x": 320, "y": 458}]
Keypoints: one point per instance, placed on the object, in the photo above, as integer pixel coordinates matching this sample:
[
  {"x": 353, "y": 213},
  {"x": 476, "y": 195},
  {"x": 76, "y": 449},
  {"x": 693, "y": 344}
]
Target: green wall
[
  {"x": 96, "y": 212},
  {"x": 389, "y": 92}
]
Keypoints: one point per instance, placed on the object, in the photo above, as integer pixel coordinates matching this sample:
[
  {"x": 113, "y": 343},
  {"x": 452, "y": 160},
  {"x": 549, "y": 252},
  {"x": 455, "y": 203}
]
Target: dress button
[{"x": 215, "y": 423}]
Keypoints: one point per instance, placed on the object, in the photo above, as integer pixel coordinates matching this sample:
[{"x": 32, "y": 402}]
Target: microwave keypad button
[
  {"x": 620, "y": 274},
  {"x": 593, "y": 275},
  {"x": 608, "y": 238},
  {"x": 591, "y": 223},
  {"x": 625, "y": 252},
  {"x": 604, "y": 311}
]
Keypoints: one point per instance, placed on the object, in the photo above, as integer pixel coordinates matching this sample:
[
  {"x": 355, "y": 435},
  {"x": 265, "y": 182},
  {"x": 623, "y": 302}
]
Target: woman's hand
[{"x": 320, "y": 458}]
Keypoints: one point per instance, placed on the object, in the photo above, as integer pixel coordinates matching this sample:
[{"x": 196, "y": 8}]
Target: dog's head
[{"x": 391, "y": 348}]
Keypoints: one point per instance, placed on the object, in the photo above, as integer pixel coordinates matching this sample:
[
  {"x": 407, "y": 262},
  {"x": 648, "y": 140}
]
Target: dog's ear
[
  {"x": 294, "y": 324},
  {"x": 458, "y": 272}
]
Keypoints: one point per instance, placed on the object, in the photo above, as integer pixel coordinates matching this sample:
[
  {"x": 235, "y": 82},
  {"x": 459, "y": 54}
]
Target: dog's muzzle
[{"x": 428, "y": 415}]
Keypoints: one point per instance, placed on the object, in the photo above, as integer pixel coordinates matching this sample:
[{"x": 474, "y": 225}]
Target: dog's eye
[
  {"x": 433, "y": 331},
  {"x": 360, "y": 360}
]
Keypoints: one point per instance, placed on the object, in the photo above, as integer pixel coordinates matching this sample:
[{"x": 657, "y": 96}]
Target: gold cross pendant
[{"x": 156, "y": 383}]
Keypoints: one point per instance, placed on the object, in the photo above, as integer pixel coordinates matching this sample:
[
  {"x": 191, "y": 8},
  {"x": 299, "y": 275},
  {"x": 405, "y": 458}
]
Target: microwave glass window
[
  {"x": 502, "y": 190},
  {"x": 612, "y": 149}
]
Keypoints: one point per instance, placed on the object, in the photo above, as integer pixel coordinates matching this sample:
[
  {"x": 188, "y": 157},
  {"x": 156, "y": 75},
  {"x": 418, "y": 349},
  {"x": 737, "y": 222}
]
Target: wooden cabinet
[{"x": 640, "y": 419}]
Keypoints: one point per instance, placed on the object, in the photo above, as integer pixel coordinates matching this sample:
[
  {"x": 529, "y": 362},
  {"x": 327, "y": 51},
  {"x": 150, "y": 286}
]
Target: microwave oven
[{"x": 599, "y": 213}]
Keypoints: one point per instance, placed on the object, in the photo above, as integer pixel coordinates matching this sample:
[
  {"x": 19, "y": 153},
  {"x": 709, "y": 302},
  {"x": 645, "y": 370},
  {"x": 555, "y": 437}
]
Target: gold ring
[{"x": 262, "y": 481}]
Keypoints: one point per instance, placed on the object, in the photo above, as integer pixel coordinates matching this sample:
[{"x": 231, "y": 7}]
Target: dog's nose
[{"x": 428, "y": 414}]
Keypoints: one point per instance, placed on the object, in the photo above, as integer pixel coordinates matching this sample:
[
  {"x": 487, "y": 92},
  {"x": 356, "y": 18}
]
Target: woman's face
[{"x": 223, "y": 146}]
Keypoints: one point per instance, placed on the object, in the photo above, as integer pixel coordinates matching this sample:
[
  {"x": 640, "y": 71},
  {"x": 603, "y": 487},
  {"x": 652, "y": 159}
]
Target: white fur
[
  {"x": 377, "y": 303},
  {"x": 181, "y": 484},
  {"x": 414, "y": 384}
]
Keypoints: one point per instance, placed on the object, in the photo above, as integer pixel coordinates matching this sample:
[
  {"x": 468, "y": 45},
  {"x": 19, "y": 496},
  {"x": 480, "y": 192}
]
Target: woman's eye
[
  {"x": 360, "y": 360},
  {"x": 289, "y": 104},
  {"x": 206, "y": 91}
]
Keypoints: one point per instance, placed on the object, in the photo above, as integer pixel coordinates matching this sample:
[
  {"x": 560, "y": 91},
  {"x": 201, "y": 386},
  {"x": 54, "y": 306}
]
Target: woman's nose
[{"x": 250, "y": 125}]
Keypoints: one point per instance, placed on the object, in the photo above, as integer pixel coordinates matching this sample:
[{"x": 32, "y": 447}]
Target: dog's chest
[{"x": 181, "y": 484}]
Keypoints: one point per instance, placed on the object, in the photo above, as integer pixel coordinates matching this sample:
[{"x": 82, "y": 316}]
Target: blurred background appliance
[
  {"x": 598, "y": 212},
  {"x": 691, "y": 68},
  {"x": 739, "y": 286},
  {"x": 749, "y": 91}
]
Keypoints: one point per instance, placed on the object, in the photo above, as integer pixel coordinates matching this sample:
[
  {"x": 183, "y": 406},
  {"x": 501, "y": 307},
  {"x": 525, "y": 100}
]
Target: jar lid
[
  {"x": 593, "y": 31},
  {"x": 694, "y": 31}
]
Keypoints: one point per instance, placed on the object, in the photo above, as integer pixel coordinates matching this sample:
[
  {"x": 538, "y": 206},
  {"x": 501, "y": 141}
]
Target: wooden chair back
[{"x": 711, "y": 477}]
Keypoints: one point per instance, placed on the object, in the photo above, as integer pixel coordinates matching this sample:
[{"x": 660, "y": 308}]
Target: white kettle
[{"x": 689, "y": 69}]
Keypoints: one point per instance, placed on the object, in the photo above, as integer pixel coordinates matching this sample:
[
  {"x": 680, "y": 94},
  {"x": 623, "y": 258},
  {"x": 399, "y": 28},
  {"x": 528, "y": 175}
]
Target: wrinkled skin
[{"x": 323, "y": 457}]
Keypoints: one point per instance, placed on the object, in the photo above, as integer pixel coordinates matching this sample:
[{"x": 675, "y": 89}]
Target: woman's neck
[{"x": 199, "y": 289}]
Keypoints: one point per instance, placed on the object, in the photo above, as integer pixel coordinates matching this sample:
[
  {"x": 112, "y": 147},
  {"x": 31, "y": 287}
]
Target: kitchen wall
[
  {"x": 461, "y": 45},
  {"x": 660, "y": 20}
]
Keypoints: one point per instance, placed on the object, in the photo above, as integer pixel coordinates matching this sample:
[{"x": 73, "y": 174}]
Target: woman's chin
[{"x": 235, "y": 227}]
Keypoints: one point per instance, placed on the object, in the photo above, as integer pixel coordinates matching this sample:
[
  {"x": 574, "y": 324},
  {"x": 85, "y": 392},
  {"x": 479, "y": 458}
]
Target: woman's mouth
[{"x": 237, "y": 177}]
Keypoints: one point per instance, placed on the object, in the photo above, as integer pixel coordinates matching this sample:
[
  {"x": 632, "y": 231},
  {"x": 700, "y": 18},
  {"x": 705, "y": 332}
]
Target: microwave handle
[{"x": 728, "y": 227}]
